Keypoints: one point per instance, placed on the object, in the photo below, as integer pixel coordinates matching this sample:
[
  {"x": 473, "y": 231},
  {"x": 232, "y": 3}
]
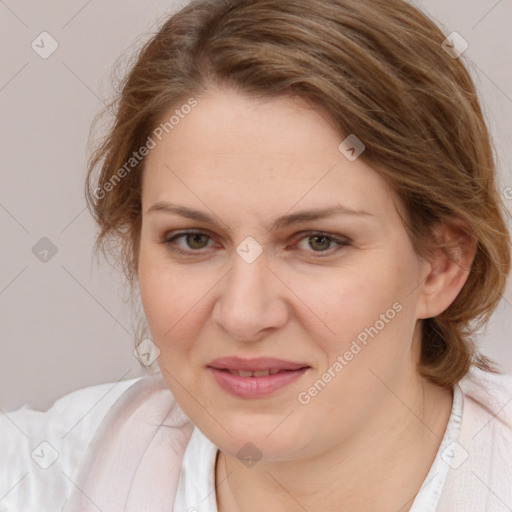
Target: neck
[{"x": 380, "y": 467}]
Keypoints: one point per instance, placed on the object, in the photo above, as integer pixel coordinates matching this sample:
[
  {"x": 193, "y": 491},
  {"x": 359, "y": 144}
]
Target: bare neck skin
[{"x": 382, "y": 467}]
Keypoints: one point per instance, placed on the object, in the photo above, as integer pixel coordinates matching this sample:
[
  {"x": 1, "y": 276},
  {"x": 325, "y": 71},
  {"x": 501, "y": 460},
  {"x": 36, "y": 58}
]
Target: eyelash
[{"x": 170, "y": 243}]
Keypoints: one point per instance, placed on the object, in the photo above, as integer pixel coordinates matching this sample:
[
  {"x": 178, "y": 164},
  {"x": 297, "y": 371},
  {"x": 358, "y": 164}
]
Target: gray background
[{"x": 64, "y": 322}]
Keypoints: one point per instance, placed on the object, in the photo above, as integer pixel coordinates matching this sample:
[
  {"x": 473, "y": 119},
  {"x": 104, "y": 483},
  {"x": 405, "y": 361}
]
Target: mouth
[
  {"x": 255, "y": 378},
  {"x": 255, "y": 365},
  {"x": 259, "y": 373}
]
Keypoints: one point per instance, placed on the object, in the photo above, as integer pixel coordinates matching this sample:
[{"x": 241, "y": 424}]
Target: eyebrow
[{"x": 279, "y": 223}]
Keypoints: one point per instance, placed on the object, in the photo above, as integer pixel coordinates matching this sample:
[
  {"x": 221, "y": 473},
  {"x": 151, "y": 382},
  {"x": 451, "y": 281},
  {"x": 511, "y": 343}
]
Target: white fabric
[
  {"x": 484, "y": 480},
  {"x": 67, "y": 428},
  {"x": 129, "y": 447}
]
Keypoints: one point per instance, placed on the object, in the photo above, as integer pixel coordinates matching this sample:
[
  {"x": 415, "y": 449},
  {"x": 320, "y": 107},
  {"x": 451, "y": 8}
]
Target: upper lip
[{"x": 255, "y": 364}]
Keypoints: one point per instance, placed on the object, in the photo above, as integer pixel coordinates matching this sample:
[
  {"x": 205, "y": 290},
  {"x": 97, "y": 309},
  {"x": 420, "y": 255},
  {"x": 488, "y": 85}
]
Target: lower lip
[{"x": 254, "y": 387}]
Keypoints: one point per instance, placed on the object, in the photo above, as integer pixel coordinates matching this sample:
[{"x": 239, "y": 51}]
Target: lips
[
  {"x": 255, "y": 365},
  {"x": 255, "y": 378},
  {"x": 259, "y": 373}
]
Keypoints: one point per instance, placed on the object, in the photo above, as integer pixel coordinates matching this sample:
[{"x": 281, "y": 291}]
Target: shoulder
[
  {"x": 138, "y": 446},
  {"x": 480, "y": 474},
  {"x": 491, "y": 393},
  {"x": 41, "y": 450},
  {"x": 487, "y": 412}
]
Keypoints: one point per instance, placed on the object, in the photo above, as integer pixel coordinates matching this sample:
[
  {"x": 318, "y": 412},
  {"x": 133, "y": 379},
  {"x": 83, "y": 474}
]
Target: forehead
[{"x": 235, "y": 147}]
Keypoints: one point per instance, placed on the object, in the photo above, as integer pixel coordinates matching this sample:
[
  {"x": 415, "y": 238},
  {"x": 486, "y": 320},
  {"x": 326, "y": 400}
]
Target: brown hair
[{"x": 380, "y": 69}]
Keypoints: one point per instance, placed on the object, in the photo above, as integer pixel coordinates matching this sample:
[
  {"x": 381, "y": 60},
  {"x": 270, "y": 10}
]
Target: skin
[{"x": 368, "y": 439}]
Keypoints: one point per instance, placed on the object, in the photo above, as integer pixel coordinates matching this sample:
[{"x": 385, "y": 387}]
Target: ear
[{"x": 448, "y": 267}]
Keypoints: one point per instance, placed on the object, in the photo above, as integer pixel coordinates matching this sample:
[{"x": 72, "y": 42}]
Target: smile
[{"x": 257, "y": 384}]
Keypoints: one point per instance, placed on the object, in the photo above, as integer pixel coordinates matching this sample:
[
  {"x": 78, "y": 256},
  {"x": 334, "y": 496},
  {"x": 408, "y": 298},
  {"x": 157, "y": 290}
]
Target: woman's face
[{"x": 299, "y": 254}]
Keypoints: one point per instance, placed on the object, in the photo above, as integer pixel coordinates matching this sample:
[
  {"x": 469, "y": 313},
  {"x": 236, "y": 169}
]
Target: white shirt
[{"x": 129, "y": 447}]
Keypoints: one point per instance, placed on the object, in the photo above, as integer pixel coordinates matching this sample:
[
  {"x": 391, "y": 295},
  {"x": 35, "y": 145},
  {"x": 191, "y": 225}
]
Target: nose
[{"x": 251, "y": 302}]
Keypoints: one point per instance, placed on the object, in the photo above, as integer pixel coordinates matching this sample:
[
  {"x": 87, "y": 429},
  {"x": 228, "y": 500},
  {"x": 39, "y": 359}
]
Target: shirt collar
[
  {"x": 447, "y": 456},
  {"x": 196, "y": 485}
]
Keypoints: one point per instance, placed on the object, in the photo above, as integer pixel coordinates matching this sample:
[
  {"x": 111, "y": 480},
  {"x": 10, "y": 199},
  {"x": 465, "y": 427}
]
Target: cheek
[
  {"x": 373, "y": 326},
  {"x": 367, "y": 305},
  {"x": 348, "y": 300},
  {"x": 171, "y": 298}
]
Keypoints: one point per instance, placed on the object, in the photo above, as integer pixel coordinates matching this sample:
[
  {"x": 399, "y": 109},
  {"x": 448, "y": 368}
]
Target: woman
[{"x": 304, "y": 195}]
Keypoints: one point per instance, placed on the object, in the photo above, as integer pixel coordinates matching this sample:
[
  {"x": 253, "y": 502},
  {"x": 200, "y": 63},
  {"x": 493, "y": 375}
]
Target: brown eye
[
  {"x": 197, "y": 240},
  {"x": 319, "y": 242},
  {"x": 188, "y": 243}
]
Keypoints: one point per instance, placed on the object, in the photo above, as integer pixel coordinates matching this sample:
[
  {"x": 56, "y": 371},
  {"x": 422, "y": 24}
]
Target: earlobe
[{"x": 449, "y": 265}]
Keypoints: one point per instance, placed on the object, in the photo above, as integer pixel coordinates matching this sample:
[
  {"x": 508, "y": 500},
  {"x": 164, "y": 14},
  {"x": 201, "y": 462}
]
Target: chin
[{"x": 263, "y": 441}]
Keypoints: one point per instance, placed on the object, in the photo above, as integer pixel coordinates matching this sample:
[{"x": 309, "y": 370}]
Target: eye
[
  {"x": 322, "y": 242},
  {"x": 192, "y": 241}
]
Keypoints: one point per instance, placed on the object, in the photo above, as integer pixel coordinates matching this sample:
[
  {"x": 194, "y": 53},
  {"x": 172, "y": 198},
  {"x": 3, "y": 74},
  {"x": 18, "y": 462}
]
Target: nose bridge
[
  {"x": 249, "y": 300},
  {"x": 248, "y": 280}
]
